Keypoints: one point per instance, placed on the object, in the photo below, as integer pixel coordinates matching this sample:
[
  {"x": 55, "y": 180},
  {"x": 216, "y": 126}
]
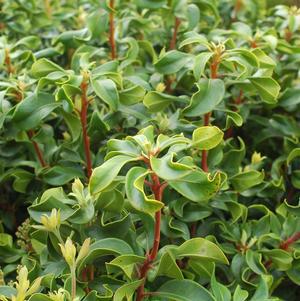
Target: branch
[{"x": 112, "y": 30}]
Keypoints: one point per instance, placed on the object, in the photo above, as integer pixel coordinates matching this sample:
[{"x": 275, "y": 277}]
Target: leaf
[
  {"x": 104, "y": 175},
  {"x": 197, "y": 186},
  {"x": 39, "y": 297},
  {"x": 220, "y": 291},
  {"x": 7, "y": 291},
  {"x": 132, "y": 95},
  {"x": 201, "y": 61},
  {"x": 290, "y": 97},
  {"x": 127, "y": 263},
  {"x": 152, "y": 4},
  {"x": 167, "y": 169},
  {"x": 60, "y": 175},
  {"x": 43, "y": 67},
  {"x": 104, "y": 247},
  {"x": 267, "y": 88},
  {"x": 184, "y": 290},
  {"x": 33, "y": 109},
  {"x": 201, "y": 248},
  {"x": 111, "y": 201},
  {"x": 262, "y": 292},
  {"x": 210, "y": 94},
  {"x": 168, "y": 266},
  {"x": 157, "y": 101},
  {"x": 134, "y": 185},
  {"x": 126, "y": 291},
  {"x": 171, "y": 62},
  {"x": 106, "y": 90},
  {"x": 292, "y": 155},
  {"x": 246, "y": 180},
  {"x": 294, "y": 272},
  {"x": 207, "y": 137},
  {"x": 240, "y": 294},
  {"x": 280, "y": 258},
  {"x": 254, "y": 261}
]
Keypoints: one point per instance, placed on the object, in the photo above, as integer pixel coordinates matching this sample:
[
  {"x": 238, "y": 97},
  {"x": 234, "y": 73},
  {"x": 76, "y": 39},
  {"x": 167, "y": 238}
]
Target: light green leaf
[
  {"x": 267, "y": 88},
  {"x": 126, "y": 291},
  {"x": 197, "y": 186},
  {"x": 167, "y": 169},
  {"x": 240, "y": 294},
  {"x": 168, "y": 266},
  {"x": 137, "y": 198},
  {"x": 43, "y": 67},
  {"x": 127, "y": 263},
  {"x": 201, "y": 61},
  {"x": 207, "y": 137},
  {"x": 292, "y": 155},
  {"x": 254, "y": 261},
  {"x": 246, "y": 180},
  {"x": 104, "y": 247},
  {"x": 201, "y": 248},
  {"x": 157, "y": 101},
  {"x": 104, "y": 175}
]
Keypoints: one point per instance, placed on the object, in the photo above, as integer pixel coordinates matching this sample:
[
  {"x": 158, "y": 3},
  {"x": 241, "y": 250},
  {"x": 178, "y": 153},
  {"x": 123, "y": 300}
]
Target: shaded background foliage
[{"x": 121, "y": 120}]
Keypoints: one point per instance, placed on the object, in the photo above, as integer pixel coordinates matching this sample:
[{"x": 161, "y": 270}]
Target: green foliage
[{"x": 149, "y": 150}]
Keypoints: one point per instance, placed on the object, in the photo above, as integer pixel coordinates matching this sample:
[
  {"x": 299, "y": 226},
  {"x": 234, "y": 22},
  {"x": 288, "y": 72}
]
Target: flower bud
[
  {"x": 68, "y": 251},
  {"x": 52, "y": 222},
  {"x": 256, "y": 158},
  {"x": 84, "y": 250}
]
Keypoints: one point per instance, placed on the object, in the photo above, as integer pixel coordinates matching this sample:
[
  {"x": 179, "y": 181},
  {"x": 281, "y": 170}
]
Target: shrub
[{"x": 149, "y": 150}]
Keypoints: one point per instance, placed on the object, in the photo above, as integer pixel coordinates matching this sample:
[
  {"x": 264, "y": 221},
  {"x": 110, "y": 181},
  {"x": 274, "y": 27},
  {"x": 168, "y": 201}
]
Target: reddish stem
[
  {"x": 157, "y": 189},
  {"x": 37, "y": 149},
  {"x": 174, "y": 37},
  {"x": 288, "y": 35},
  {"x": 253, "y": 44},
  {"x": 289, "y": 241},
  {"x": 85, "y": 279},
  {"x": 7, "y": 61},
  {"x": 83, "y": 119},
  {"x": 170, "y": 79},
  {"x": 112, "y": 30},
  {"x": 237, "y": 7}
]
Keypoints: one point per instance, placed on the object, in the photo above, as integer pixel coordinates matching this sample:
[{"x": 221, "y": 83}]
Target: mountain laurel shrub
[{"x": 149, "y": 150}]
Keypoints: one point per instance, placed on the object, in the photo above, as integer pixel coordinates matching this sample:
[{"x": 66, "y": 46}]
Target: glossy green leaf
[
  {"x": 106, "y": 90},
  {"x": 210, "y": 94},
  {"x": 172, "y": 62},
  {"x": 201, "y": 248},
  {"x": 33, "y": 109},
  {"x": 246, "y": 180},
  {"x": 43, "y": 67},
  {"x": 137, "y": 198},
  {"x": 267, "y": 88},
  {"x": 207, "y": 137},
  {"x": 184, "y": 290},
  {"x": 104, "y": 175}
]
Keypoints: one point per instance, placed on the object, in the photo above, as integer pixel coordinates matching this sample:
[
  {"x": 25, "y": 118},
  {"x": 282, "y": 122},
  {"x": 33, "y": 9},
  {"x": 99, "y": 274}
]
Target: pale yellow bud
[
  {"x": 57, "y": 295},
  {"x": 52, "y": 222},
  {"x": 34, "y": 286},
  {"x": 84, "y": 250},
  {"x": 68, "y": 251},
  {"x": 23, "y": 284},
  {"x": 66, "y": 136},
  {"x": 160, "y": 87},
  {"x": 256, "y": 158}
]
